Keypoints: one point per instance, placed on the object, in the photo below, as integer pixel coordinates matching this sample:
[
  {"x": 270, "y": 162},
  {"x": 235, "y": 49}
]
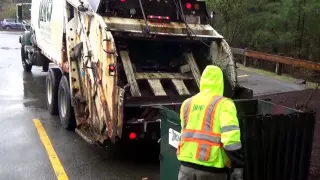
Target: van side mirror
[{"x": 19, "y": 12}]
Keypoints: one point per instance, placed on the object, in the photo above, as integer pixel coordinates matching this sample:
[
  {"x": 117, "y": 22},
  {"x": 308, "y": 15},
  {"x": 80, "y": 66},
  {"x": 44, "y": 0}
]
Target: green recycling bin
[
  {"x": 170, "y": 137},
  {"x": 269, "y": 133}
]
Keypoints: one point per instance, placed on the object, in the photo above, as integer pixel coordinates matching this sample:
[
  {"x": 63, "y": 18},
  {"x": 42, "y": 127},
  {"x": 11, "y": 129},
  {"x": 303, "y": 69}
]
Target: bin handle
[{"x": 173, "y": 123}]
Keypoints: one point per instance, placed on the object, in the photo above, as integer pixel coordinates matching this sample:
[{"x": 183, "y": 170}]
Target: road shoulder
[{"x": 284, "y": 77}]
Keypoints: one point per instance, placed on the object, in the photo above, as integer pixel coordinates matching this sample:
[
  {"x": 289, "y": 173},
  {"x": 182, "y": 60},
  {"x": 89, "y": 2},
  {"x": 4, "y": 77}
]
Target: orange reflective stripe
[
  {"x": 178, "y": 150},
  {"x": 204, "y": 121},
  {"x": 203, "y": 132},
  {"x": 209, "y": 115},
  {"x": 186, "y": 112},
  {"x": 205, "y": 137},
  {"x": 228, "y": 163},
  {"x": 208, "y": 150},
  {"x": 214, "y": 113},
  {"x": 204, "y": 149},
  {"x": 202, "y": 142}
]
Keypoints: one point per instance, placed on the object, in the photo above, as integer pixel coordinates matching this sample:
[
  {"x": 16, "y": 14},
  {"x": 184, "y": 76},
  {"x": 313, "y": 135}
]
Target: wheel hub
[
  {"x": 63, "y": 104},
  {"x": 49, "y": 91}
]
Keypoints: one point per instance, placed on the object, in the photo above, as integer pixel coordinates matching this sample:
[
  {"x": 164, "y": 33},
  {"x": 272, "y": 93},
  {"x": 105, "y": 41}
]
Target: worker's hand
[{"x": 237, "y": 174}]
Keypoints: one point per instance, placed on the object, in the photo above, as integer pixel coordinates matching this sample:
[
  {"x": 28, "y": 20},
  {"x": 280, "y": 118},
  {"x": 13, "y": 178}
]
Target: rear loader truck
[{"x": 111, "y": 63}]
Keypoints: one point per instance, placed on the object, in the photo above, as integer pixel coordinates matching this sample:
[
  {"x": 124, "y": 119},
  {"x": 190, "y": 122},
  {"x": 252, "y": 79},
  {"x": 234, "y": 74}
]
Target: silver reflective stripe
[
  {"x": 210, "y": 111},
  {"x": 232, "y": 147},
  {"x": 229, "y": 128},
  {"x": 204, "y": 137},
  {"x": 185, "y": 112},
  {"x": 203, "y": 152}
]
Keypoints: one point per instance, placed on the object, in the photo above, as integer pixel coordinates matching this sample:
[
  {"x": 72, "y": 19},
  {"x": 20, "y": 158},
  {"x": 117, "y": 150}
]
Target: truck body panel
[{"x": 47, "y": 20}]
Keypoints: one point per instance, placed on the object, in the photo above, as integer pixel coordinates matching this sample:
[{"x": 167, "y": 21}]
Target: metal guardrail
[{"x": 277, "y": 59}]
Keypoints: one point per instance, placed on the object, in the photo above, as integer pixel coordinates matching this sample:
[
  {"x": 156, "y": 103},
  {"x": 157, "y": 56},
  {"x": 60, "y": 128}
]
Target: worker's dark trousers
[{"x": 187, "y": 173}]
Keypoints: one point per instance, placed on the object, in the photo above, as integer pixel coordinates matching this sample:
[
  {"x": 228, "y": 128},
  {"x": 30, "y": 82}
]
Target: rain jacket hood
[{"x": 212, "y": 80}]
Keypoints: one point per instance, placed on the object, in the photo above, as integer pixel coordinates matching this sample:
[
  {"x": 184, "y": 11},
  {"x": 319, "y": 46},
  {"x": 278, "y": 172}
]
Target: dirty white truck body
[{"x": 119, "y": 65}]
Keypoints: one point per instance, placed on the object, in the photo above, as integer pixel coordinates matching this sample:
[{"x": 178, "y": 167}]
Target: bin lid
[{"x": 169, "y": 115}]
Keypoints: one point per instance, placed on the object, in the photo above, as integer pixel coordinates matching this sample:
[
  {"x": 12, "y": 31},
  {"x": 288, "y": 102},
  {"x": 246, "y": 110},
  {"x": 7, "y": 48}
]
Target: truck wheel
[
  {"x": 27, "y": 66},
  {"x": 66, "y": 112},
  {"x": 52, "y": 82},
  {"x": 23, "y": 54}
]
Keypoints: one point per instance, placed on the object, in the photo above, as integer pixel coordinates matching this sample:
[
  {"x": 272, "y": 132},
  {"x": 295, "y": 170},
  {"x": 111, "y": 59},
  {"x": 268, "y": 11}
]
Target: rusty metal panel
[
  {"x": 221, "y": 55},
  {"x": 156, "y": 87},
  {"x": 134, "y": 88},
  {"x": 104, "y": 94},
  {"x": 180, "y": 87},
  {"x": 171, "y": 28},
  {"x": 162, "y": 76},
  {"x": 74, "y": 75},
  {"x": 95, "y": 97},
  {"x": 194, "y": 67},
  {"x": 120, "y": 109}
]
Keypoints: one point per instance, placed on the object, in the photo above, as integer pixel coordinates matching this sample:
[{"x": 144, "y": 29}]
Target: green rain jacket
[{"x": 225, "y": 124}]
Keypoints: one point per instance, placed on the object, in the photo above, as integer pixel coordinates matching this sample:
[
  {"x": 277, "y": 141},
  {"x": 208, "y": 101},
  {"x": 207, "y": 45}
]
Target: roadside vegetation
[
  {"x": 287, "y": 27},
  {"x": 8, "y": 9}
]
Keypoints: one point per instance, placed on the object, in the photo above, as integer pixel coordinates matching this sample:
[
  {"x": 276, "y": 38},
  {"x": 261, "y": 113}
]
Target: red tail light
[
  {"x": 112, "y": 69},
  {"x": 122, "y": 1},
  {"x": 132, "y": 136},
  {"x": 188, "y": 5},
  {"x": 159, "y": 17}
]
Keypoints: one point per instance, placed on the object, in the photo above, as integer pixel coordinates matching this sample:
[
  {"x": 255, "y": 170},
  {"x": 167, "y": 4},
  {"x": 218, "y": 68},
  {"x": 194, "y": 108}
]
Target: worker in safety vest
[{"x": 210, "y": 135}]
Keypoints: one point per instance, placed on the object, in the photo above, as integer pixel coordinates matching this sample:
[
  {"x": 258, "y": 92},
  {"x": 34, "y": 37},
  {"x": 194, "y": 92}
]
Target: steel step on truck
[{"x": 111, "y": 63}]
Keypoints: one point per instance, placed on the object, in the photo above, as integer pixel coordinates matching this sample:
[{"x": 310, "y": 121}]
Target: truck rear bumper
[{"x": 140, "y": 130}]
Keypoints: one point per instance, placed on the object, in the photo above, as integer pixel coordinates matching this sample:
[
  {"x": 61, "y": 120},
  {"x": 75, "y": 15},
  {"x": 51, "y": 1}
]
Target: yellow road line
[
  {"x": 55, "y": 162},
  {"x": 243, "y": 76}
]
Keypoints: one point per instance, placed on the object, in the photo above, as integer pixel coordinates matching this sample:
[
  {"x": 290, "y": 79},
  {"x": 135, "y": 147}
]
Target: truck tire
[
  {"x": 66, "y": 111},
  {"x": 27, "y": 66},
  {"x": 23, "y": 54},
  {"x": 52, "y": 84}
]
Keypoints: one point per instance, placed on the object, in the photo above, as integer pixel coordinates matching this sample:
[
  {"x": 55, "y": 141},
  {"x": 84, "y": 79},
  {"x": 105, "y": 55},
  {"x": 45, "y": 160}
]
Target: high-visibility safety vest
[{"x": 206, "y": 131}]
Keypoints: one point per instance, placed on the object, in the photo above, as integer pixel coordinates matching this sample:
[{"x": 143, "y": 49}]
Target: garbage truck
[{"x": 109, "y": 63}]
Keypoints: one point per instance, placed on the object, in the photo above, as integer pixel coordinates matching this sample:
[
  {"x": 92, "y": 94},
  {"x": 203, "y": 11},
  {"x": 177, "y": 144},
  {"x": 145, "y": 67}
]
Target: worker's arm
[{"x": 230, "y": 133}]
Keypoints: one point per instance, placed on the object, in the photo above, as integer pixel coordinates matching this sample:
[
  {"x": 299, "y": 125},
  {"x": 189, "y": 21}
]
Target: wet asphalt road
[
  {"x": 264, "y": 85},
  {"x": 22, "y": 155}
]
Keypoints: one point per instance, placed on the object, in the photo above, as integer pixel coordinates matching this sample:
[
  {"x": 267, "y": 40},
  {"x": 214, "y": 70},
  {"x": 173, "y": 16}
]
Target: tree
[
  {"x": 8, "y": 8},
  {"x": 289, "y": 27}
]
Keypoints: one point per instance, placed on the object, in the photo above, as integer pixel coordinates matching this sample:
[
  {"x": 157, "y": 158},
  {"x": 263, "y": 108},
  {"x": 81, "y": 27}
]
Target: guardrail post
[
  {"x": 245, "y": 60},
  {"x": 278, "y": 68}
]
